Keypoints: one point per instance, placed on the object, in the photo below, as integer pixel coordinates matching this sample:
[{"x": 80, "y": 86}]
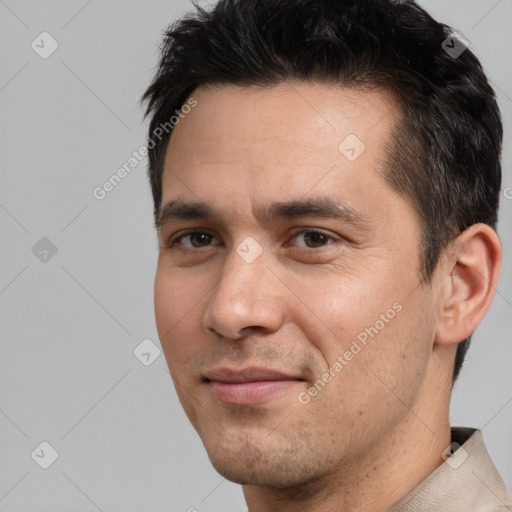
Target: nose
[{"x": 248, "y": 296}]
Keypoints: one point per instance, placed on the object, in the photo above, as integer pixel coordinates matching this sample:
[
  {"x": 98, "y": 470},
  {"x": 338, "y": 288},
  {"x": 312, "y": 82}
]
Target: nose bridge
[
  {"x": 243, "y": 297},
  {"x": 244, "y": 274}
]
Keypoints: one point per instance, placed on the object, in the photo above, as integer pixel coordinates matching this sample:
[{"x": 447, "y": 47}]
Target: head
[{"x": 355, "y": 104}]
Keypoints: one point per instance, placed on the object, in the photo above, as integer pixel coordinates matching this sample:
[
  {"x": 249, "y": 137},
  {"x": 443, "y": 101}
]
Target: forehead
[
  {"x": 299, "y": 118},
  {"x": 247, "y": 144}
]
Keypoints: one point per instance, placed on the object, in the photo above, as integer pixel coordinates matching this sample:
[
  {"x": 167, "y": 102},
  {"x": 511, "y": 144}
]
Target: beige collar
[{"x": 467, "y": 481}]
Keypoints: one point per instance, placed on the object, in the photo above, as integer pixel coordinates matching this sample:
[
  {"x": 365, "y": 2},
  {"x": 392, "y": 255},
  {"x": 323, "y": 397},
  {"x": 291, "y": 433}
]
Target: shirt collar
[{"x": 467, "y": 480}]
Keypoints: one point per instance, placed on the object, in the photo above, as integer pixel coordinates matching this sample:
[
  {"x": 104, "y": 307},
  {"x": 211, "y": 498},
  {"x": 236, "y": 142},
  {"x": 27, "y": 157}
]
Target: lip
[
  {"x": 249, "y": 374},
  {"x": 248, "y": 385}
]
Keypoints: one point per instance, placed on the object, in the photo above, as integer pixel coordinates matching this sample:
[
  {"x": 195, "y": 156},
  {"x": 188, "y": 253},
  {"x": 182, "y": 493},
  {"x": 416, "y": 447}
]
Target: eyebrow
[{"x": 321, "y": 207}]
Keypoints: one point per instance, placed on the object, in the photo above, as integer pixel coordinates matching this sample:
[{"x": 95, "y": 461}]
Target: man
[{"x": 326, "y": 208}]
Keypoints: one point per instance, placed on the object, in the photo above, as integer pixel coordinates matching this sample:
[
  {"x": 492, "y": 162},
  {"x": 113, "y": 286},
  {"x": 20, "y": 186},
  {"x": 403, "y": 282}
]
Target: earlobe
[{"x": 469, "y": 282}]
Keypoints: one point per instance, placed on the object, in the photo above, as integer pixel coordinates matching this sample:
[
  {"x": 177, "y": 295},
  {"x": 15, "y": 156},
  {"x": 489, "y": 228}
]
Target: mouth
[{"x": 249, "y": 385}]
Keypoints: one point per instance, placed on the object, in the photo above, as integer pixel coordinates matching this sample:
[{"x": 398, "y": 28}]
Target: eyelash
[{"x": 173, "y": 241}]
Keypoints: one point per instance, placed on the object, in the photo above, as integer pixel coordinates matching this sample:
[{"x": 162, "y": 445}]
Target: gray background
[{"x": 68, "y": 326}]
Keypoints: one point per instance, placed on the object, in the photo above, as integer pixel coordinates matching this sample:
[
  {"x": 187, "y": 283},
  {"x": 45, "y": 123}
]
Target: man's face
[{"x": 252, "y": 328}]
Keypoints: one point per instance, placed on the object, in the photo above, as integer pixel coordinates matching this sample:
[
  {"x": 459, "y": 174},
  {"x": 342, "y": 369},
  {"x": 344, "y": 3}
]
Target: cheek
[
  {"x": 176, "y": 295},
  {"x": 335, "y": 309},
  {"x": 395, "y": 357},
  {"x": 371, "y": 318},
  {"x": 165, "y": 302},
  {"x": 177, "y": 316},
  {"x": 377, "y": 382}
]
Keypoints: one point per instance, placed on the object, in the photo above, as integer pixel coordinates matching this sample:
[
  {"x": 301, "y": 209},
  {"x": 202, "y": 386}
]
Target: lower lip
[{"x": 242, "y": 393}]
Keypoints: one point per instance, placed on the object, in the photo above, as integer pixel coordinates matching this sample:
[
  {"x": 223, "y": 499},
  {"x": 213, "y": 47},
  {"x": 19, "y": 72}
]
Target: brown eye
[
  {"x": 197, "y": 240},
  {"x": 313, "y": 238}
]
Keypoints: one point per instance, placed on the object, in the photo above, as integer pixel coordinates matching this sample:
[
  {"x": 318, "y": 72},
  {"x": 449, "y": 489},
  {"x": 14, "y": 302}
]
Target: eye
[
  {"x": 198, "y": 239},
  {"x": 314, "y": 238}
]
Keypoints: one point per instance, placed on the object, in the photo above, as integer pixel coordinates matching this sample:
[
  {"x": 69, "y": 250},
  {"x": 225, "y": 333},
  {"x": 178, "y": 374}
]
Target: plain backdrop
[{"x": 76, "y": 272}]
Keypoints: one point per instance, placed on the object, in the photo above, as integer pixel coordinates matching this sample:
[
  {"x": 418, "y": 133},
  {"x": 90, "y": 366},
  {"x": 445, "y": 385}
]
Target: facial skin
[{"x": 379, "y": 426}]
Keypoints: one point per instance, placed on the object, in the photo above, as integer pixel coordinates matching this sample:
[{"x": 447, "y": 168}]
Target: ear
[{"x": 468, "y": 280}]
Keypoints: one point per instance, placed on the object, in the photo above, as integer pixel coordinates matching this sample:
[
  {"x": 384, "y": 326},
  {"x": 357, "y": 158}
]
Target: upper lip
[{"x": 250, "y": 374}]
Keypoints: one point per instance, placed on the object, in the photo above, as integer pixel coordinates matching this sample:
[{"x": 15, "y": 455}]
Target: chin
[
  {"x": 248, "y": 463},
  {"x": 260, "y": 474}
]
